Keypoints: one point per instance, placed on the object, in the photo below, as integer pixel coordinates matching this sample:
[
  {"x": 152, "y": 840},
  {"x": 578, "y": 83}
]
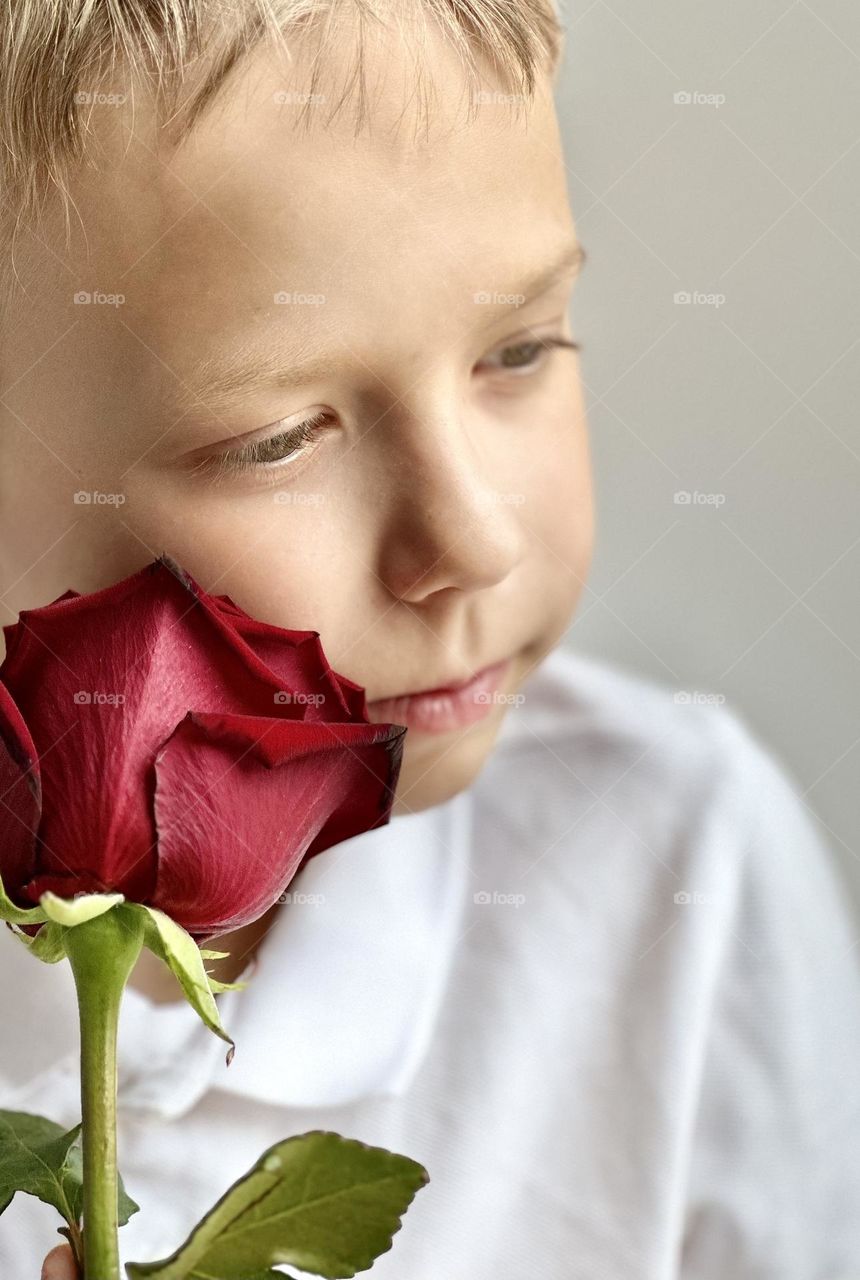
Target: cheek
[
  {"x": 282, "y": 564},
  {"x": 560, "y": 505},
  {"x": 559, "y": 514}
]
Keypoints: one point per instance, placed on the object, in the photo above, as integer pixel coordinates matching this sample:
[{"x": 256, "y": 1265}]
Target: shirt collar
[{"x": 341, "y": 1000}]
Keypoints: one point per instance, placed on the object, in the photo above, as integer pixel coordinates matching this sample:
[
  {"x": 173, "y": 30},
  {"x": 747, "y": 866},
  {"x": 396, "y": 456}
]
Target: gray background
[{"x": 750, "y": 401}]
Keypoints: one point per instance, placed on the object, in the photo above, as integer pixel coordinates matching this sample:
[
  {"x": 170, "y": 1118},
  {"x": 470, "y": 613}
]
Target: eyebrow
[
  {"x": 567, "y": 262},
  {"x": 218, "y": 381}
]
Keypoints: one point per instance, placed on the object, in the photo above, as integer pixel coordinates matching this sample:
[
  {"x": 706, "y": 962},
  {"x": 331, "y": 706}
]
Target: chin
[{"x": 436, "y": 766}]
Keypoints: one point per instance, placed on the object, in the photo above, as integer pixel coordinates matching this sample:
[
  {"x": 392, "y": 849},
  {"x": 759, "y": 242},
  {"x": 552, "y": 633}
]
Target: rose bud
[{"x": 157, "y": 741}]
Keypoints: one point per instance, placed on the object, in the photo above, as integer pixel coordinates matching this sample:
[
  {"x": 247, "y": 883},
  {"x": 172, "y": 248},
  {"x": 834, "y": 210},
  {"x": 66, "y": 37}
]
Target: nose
[{"x": 447, "y": 522}]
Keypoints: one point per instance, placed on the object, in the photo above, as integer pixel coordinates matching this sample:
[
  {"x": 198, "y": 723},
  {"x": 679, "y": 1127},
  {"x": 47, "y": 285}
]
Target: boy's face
[{"x": 441, "y": 518}]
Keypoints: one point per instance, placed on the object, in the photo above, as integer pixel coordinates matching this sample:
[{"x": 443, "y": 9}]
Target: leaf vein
[{"x": 306, "y": 1204}]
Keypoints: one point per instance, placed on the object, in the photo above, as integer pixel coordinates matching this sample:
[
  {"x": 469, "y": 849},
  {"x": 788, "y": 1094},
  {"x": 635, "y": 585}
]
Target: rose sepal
[
  {"x": 161, "y": 935},
  {"x": 175, "y": 946},
  {"x": 13, "y": 914}
]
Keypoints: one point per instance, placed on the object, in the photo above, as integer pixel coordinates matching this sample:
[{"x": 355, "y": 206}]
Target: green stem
[{"x": 102, "y": 952}]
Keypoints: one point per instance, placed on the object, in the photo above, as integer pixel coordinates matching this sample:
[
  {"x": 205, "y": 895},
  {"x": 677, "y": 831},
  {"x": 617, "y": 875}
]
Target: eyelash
[
  {"x": 253, "y": 456},
  {"x": 256, "y": 456}
]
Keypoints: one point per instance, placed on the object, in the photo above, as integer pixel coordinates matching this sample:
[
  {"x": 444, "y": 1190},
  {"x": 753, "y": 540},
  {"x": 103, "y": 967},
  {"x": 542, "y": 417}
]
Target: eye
[
  {"x": 289, "y": 443},
  {"x": 516, "y": 359},
  {"x": 527, "y": 356}
]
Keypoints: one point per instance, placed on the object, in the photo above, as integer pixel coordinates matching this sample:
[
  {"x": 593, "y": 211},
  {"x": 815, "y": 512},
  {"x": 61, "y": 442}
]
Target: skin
[{"x": 443, "y": 519}]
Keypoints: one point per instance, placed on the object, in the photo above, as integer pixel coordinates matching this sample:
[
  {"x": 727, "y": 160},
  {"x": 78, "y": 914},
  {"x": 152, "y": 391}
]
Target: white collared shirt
[{"x": 609, "y": 996}]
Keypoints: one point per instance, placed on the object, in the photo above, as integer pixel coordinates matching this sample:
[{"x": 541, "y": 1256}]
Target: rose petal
[
  {"x": 20, "y": 797},
  {"x": 64, "y": 886},
  {"x": 14, "y": 630},
  {"x": 355, "y": 697},
  {"x": 132, "y": 653},
  {"x": 12, "y": 635},
  {"x": 140, "y": 641},
  {"x": 279, "y": 649},
  {"x": 298, "y": 660},
  {"x": 230, "y": 606},
  {"x": 92, "y": 635},
  {"x": 239, "y": 799}
]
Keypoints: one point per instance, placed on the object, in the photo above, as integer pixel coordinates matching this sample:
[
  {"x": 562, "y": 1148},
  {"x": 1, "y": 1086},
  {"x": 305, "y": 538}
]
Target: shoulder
[
  {"x": 614, "y": 729},
  {"x": 659, "y": 777}
]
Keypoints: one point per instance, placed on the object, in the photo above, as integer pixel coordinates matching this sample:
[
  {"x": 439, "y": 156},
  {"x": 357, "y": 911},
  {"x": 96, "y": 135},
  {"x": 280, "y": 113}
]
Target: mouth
[{"x": 444, "y": 707}]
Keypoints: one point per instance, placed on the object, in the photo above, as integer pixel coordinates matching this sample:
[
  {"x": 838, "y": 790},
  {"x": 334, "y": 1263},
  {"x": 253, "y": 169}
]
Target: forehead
[{"x": 273, "y": 193}]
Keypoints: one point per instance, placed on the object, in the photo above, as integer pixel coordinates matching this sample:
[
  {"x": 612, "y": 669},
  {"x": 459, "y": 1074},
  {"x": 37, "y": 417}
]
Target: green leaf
[
  {"x": 266, "y": 1274},
  {"x": 320, "y": 1202},
  {"x": 213, "y": 955},
  {"x": 40, "y": 1158},
  {"x": 47, "y": 944},
  {"x": 181, "y": 954},
  {"x": 35, "y": 1158},
  {"x": 8, "y": 911},
  {"x": 76, "y": 910}
]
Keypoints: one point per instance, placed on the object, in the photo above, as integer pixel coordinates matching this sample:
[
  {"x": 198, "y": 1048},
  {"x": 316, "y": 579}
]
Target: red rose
[{"x": 159, "y": 742}]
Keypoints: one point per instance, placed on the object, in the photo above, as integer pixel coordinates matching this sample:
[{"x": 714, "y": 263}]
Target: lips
[
  {"x": 444, "y": 708},
  {"x": 453, "y": 687}
]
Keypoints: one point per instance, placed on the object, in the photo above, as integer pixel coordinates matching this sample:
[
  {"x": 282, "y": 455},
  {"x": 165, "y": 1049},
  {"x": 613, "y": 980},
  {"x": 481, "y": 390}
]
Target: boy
[{"x": 303, "y": 323}]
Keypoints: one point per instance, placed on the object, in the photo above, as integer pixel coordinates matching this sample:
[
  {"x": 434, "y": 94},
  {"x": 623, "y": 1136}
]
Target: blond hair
[{"x": 51, "y": 49}]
